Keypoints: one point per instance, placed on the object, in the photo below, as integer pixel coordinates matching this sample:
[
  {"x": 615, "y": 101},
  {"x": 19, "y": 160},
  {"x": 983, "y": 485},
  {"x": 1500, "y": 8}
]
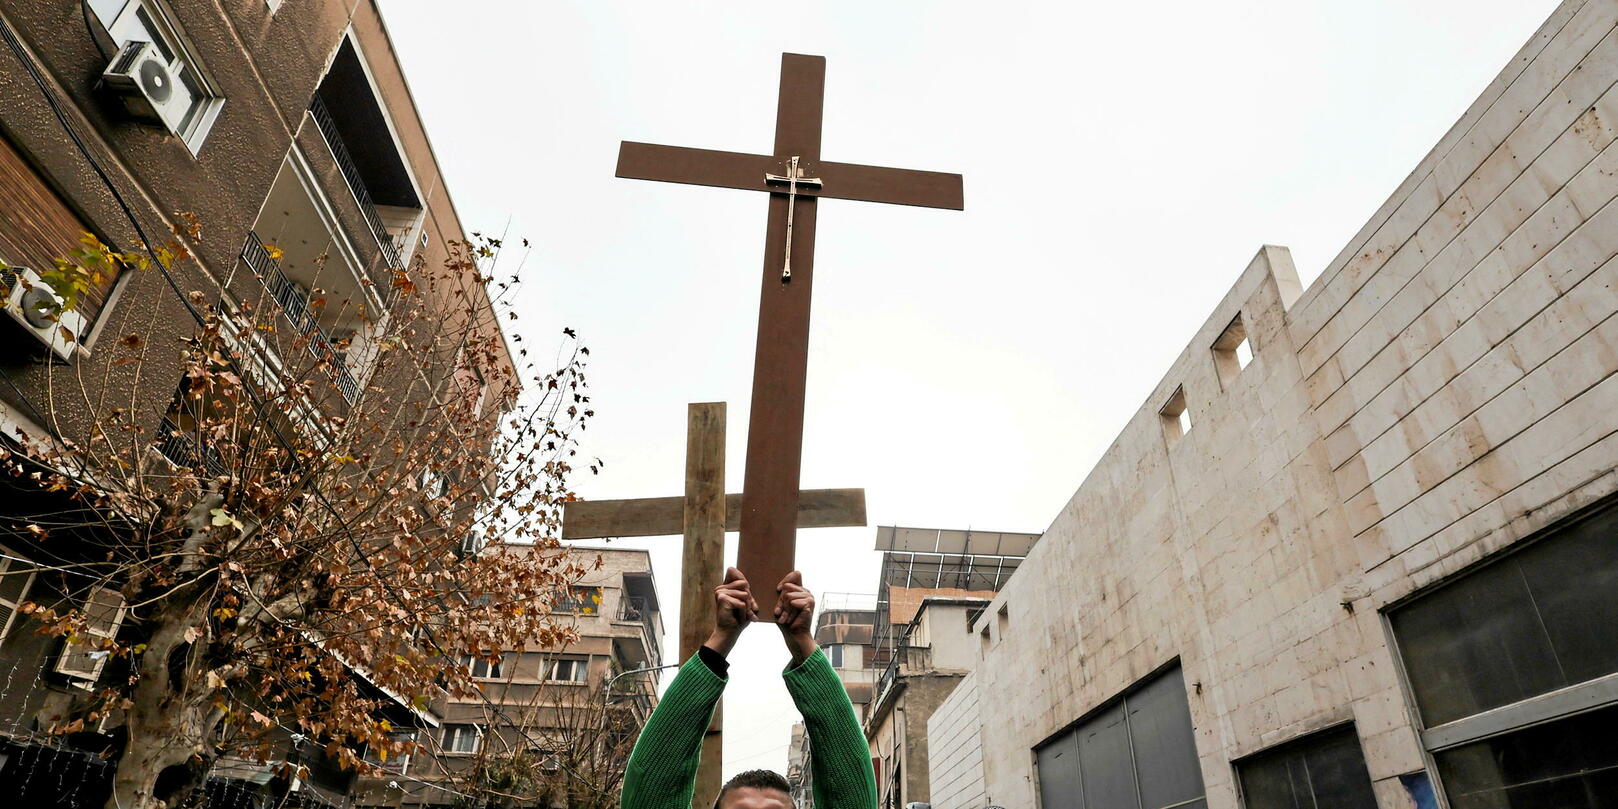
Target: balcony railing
[
  {"x": 906, "y": 660},
  {"x": 356, "y": 183},
  {"x": 300, "y": 312},
  {"x": 631, "y": 608},
  {"x": 186, "y": 449}
]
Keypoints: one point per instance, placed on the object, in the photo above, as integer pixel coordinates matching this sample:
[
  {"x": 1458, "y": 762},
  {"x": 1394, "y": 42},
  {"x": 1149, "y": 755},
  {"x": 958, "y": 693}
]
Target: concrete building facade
[
  {"x": 937, "y": 649},
  {"x": 1358, "y": 548}
]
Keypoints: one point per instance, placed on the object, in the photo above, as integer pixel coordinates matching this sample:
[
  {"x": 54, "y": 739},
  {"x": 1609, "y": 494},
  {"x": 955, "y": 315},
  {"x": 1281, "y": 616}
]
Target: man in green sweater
[{"x": 663, "y": 768}]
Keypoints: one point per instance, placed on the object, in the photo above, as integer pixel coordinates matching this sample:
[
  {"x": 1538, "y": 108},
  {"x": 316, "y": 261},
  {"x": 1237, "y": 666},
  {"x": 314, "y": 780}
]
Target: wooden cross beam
[
  {"x": 795, "y": 178},
  {"x": 702, "y": 516}
]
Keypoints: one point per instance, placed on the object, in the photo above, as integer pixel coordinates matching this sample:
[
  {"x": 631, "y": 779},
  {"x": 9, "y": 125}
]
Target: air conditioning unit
[
  {"x": 142, "y": 77},
  {"x": 29, "y": 301}
]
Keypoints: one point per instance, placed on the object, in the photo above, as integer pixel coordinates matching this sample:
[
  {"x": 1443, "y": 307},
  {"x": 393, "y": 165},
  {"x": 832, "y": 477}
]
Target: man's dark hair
[{"x": 757, "y": 779}]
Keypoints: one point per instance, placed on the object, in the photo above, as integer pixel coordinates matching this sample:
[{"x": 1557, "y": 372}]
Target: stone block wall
[{"x": 1444, "y": 389}]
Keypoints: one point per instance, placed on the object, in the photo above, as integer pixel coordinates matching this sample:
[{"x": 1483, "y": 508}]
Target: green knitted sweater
[{"x": 663, "y": 768}]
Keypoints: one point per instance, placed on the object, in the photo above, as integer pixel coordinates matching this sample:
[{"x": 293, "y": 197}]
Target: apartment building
[
  {"x": 845, "y": 632},
  {"x": 281, "y": 139},
  {"x": 1358, "y": 548},
  {"x": 565, "y": 716}
]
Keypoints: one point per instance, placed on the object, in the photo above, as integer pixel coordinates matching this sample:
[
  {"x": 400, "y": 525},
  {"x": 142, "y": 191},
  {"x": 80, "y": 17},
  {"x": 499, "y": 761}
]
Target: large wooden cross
[
  {"x": 702, "y": 516},
  {"x": 794, "y": 177}
]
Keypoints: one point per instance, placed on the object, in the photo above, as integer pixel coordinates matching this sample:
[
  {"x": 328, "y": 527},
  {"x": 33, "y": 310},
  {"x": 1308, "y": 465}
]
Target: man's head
[{"x": 755, "y": 789}]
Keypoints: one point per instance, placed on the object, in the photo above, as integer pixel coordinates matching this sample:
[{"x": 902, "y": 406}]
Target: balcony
[
  {"x": 187, "y": 449},
  {"x": 348, "y": 111},
  {"x": 905, "y": 660},
  {"x": 636, "y": 610},
  {"x": 300, "y": 311},
  {"x": 351, "y": 173}
]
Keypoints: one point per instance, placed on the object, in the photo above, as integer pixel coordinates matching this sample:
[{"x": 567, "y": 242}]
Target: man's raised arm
[
  {"x": 662, "y": 771},
  {"x": 839, "y": 756}
]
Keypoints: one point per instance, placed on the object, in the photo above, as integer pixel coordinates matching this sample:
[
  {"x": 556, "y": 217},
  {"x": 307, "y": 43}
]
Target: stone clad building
[{"x": 1359, "y": 547}]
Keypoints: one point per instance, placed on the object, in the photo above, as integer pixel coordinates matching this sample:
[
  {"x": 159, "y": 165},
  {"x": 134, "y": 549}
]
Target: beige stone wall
[
  {"x": 955, "y": 768},
  {"x": 1442, "y": 390}
]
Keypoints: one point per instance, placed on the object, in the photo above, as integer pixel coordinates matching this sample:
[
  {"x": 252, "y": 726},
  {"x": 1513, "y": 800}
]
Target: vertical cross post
[
  {"x": 702, "y": 565},
  {"x": 775, "y": 423}
]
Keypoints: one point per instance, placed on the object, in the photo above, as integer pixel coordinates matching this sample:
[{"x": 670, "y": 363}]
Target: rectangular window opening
[
  {"x": 1139, "y": 750},
  {"x": 1538, "y": 724},
  {"x": 570, "y": 671},
  {"x": 1176, "y": 416},
  {"x": 482, "y": 668},
  {"x": 1232, "y": 352},
  {"x": 461, "y": 738},
  {"x": 1321, "y": 769}
]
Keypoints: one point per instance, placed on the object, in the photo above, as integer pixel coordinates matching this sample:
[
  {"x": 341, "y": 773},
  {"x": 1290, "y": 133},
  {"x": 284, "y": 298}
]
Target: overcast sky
[{"x": 1123, "y": 163}]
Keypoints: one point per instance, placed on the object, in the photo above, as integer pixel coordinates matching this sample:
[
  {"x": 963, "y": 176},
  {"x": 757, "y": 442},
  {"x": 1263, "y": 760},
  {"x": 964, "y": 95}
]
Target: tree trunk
[{"x": 168, "y": 720}]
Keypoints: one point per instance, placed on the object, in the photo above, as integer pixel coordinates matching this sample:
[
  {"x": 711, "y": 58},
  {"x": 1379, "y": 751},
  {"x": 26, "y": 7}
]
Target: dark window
[
  {"x": 1316, "y": 772},
  {"x": 1568, "y": 764},
  {"x": 1138, "y": 752},
  {"x": 1512, "y": 672},
  {"x": 1536, "y": 621}
]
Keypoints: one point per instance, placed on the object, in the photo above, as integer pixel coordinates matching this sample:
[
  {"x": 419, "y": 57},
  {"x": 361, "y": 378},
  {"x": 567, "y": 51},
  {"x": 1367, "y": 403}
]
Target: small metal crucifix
[{"x": 795, "y": 178}]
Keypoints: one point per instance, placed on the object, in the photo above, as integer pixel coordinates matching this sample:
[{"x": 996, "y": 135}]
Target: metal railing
[
  {"x": 185, "y": 449},
  {"x": 295, "y": 304},
  {"x": 631, "y": 608},
  {"x": 356, "y": 183},
  {"x": 906, "y": 660}
]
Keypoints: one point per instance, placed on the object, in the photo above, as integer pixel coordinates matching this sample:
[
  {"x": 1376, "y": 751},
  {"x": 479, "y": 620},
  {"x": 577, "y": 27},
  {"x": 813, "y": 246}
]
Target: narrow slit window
[
  {"x": 1232, "y": 352},
  {"x": 1176, "y": 416}
]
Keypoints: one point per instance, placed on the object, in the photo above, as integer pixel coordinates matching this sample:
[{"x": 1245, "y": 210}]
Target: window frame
[
  {"x": 1551, "y": 706},
  {"x": 181, "y": 60},
  {"x": 1295, "y": 743},
  {"x": 87, "y": 678},
  {"x": 9, "y": 561},
  {"x": 492, "y": 670},
  {"x": 453, "y": 733},
  {"x": 579, "y": 665}
]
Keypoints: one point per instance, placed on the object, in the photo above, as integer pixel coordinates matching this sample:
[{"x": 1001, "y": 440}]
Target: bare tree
[
  {"x": 300, "y": 535},
  {"x": 562, "y": 747}
]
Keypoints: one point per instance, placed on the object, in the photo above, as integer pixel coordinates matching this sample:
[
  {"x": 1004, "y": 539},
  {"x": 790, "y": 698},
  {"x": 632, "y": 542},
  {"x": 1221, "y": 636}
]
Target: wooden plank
[
  {"x": 703, "y": 562},
  {"x": 739, "y": 170},
  {"x": 645, "y": 517},
  {"x": 664, "y": 516}
]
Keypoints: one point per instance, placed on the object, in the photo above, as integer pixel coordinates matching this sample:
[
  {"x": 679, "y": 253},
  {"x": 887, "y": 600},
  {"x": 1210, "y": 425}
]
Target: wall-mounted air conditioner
[
  {"x": 30, "y": 303},
  {"x": 140, "y": 75}
]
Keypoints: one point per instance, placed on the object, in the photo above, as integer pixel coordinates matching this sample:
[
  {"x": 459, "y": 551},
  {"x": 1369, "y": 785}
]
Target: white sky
[{"x": 1123, "y": 163}]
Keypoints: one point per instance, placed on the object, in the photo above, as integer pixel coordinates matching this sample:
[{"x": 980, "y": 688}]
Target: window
[
  {"x": 461, "y": 738},
  {"x": 83, "y": 659},
  {"x": 145, "y": 21},
  {"x": 1137, "y": 751},
  {"x": 1176, "y": 416},
  {"x": 482, "y": 668},
  {"x": 1502, "y": 661},
  {"x": 834, "y": 654},
  {"x": 582, "y": 600},
  {"x": 15, "y": 579},
  {"x": 571, "y": 670},
  {"x": 433, "y": 484},
  {"x": 1320, "y": 770},
  {"x": 391, "y": 762},
  {"x": 1232, "y": 352},
  {"x": 40, "y": 228}
]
